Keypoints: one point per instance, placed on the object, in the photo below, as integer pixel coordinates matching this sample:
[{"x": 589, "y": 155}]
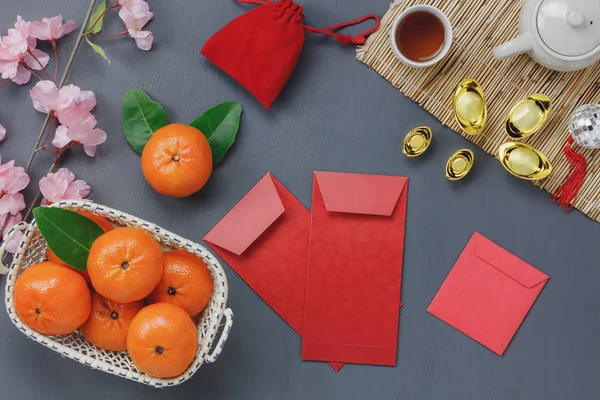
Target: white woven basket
[{"x": 32, "y": 249}]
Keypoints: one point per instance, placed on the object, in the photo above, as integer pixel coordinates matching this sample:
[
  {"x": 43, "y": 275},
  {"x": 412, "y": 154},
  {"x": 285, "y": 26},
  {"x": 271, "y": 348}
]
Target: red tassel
[{"x": 568, "y": 191}]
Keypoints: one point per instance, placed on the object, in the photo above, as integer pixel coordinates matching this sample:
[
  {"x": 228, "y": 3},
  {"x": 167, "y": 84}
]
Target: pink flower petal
[
  {"x": 5, "y": 171},
  {"x": 137, "y": 8},
  {"x": 61, "y": 139},
  {"x": 67, "y": 95},
  {"x": 11, "y": 221},
  {"x": 94, "y": 137},
  {"x": 126, "y": 17},
  {"x": 32, "y": 63},
  {"x": 16, "y": 181},
  {"x": 87, "y": 100},
  {"x": 64, "y": 174},
  {"x": 15, "y": 42},
  {"x": 2, "y": 133},
  {"x": 67, "y": 28},
  {"x": 51, "y": 28},
  {"x": 45, "y": 96},
  {"x": 144, "y": 42},
  {"x": 77, "y": 190},
  {"x": 40, "y": 30},
  {"x": 53, "y": 186},
  {"x": 12, "y": 203},
  {"x": 8, "y": 63},
  {"x": 90, "y": 150},
  {"x": 141, "y": 22},
  {"x": 23, "y": 76}
]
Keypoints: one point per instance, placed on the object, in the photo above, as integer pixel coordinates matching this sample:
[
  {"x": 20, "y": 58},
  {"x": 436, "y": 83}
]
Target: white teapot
[{"x": 563, "y": 35}]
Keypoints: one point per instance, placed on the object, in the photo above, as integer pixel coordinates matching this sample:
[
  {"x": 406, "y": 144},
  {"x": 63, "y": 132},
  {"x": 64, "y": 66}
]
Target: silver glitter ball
[{"x": 584, "y": 126}]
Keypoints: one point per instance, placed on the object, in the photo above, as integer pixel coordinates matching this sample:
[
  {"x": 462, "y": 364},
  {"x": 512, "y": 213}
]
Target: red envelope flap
[
  {"x": 250, "y": 217},
  {"x": 507, "y": 262},
  {"x": 360, "y": 193}
]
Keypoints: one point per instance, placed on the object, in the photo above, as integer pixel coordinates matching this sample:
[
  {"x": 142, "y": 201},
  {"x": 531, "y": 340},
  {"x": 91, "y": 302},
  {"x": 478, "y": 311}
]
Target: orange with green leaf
[{"x": 177, "y": 159}]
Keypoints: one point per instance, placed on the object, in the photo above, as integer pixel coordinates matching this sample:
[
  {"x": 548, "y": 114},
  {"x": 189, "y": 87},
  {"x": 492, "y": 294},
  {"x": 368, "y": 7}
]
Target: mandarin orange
[
  {"x": 186, "y": 282},
  {"x": 125, "y": 264},
  {"x": 109, "y": 322},
  {"x": 52, "y": 299},
  {"x": 162, "y": 340},
  {"x": 177, "y": 160}
]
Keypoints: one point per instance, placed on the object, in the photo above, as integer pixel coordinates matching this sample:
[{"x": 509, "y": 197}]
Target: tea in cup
[{"x": 421, "y": 36}]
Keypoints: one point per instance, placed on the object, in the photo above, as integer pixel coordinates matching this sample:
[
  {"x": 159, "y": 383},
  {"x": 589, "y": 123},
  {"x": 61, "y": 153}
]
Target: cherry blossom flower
[
  {"x": 18, "y": 53},
  {"x": 51, "y": 29},
  {"x": 18, "y": 40},
  {"x": 47, "y": 98},
  {"x": 137, "y": 8},
  {"x": 12, "y": 220},
  {"x": 12, "y": 181},
  {"x": 12, "y": 66},
  {"x": 73, "y": 98},
  {"x": 78, "y": 126},
  {"x": 62, "y": 186},
  {"x": 2, "y": 133},
  {"x": 143, "y": 39}
]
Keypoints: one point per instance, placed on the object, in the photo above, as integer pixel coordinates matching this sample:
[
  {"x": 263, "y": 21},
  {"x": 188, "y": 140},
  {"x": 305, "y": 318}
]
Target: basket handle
[
  {"x": 212, "y": 357},
  {"x": 20, "y": 227}
]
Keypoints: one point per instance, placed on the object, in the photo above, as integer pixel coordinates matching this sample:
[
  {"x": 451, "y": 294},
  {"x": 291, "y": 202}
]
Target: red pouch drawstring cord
[
  {"x": 260, "y": 49},
  {"x": 330, "y": 31}
]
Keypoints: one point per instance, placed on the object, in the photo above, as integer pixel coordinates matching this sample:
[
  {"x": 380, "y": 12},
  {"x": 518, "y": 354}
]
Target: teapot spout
[{"x": 519, "y": 45}]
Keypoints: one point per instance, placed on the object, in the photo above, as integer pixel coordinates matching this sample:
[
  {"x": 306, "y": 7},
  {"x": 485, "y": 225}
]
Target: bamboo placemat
[{"x": 478, "y": 27}]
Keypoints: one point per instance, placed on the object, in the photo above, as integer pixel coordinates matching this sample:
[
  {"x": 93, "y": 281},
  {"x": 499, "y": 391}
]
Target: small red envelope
[
  {"x": 355, "y": 268},
  {"x": 488, "y": 293},
  {"x": 264, "y": 238}
]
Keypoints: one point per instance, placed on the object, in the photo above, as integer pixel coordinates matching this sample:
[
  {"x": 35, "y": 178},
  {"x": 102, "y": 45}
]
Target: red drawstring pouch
[{"x": 260, "y": 49}]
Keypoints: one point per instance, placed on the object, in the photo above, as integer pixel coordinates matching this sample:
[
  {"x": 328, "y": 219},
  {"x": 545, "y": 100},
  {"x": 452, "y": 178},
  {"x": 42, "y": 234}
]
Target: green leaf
[
  {"x": 97, "y": 49},
  {"x": 220, "y": 125},
  {"x": 96, "y": 20},
  {"x": 68, "y": 234},
  {"x": 141, "y": 117}
]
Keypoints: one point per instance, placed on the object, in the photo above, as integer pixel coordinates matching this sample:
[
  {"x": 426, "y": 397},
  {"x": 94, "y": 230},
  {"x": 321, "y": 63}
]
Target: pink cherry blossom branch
[
  {"x": 40, "y": 64},
  {"x": 6, "y": 82},
  {"x": 62, "y": 82}
]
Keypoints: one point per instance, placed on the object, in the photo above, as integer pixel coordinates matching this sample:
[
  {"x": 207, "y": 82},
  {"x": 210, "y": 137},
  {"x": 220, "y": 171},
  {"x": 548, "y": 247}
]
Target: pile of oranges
[{"x": 134, "y": 297}]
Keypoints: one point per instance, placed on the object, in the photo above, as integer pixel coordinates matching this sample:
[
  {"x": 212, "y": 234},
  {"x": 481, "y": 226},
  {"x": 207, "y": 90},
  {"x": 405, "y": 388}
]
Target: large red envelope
[
  {"x": 355, "y": 268},
  {"x": 264, "y": 238},
  {"x": 488, "y": 293}
]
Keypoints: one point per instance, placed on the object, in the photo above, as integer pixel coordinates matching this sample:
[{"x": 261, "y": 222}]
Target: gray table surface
[{"x": 338, "y": 115}]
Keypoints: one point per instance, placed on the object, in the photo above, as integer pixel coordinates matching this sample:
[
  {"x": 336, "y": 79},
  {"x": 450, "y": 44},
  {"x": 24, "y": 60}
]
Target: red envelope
[
  {"x": 264, "y": 238},
  {"x": 355, "y": 268},
  {"x": 488, "y": 293}
]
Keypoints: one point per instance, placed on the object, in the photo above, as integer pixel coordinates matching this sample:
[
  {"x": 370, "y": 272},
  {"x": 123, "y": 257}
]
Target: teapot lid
[{"x": 569, "y": 27}]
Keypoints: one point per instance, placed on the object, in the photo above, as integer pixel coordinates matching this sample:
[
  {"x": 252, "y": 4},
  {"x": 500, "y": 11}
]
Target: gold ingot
[
  {"x": 528, "y": 116},
  {"x": 459, "y": 164},
  {"x": 470, "y": 107},
  {"x": 524, "y": 161},
  {"x": 417, "y": 141}
]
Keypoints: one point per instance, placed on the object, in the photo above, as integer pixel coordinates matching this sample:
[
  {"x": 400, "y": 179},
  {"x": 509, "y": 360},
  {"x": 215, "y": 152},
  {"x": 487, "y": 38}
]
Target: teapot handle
[{"x": 519, "y": 45}]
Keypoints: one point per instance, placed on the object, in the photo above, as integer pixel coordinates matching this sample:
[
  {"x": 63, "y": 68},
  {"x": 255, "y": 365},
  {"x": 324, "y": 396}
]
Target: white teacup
[{"x": 447, "y": 36}]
